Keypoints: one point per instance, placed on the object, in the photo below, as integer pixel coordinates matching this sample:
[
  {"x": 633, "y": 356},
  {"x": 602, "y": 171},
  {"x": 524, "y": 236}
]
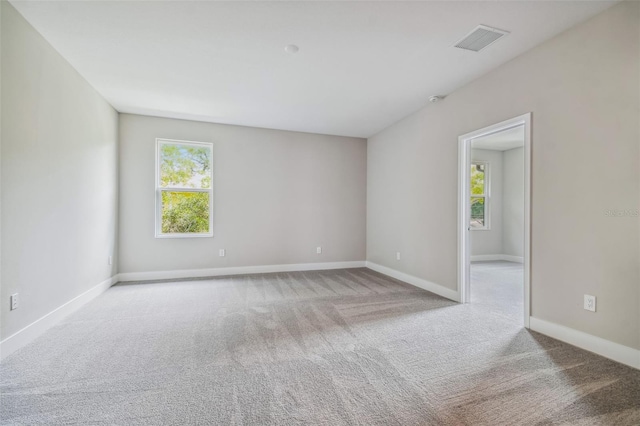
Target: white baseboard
[
  {"x": 235, "y": 270},
  {"x": 606, "y": 348},
  {"x": 493, "y": 257},
  {"x": 418, "y": 282},
  {"x": 39, "y": 326}
]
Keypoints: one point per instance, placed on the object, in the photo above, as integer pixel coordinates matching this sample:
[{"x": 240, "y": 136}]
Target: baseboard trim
[
  {"x": 606, "y": 348},
  {"x": 39, "y": 326},
  {"x": 494, "y": 257},
  {"x": 415, "y": 281},
  {"x": 235, "y": 270}
]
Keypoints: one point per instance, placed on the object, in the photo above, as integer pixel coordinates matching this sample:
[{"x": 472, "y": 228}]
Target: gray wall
[
  {"x": 513, "y": 202},
  {"x": 506, "y": 236},
  {"x": 59, "y": 178},
  {"x": 2, "y": 308},
  {"x": 277, "y": 195},
  {"x": 583, "y": 89},
  {"x": 489, "y": 241}
]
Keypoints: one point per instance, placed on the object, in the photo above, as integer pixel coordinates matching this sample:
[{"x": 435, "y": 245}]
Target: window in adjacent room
[
  {"x": 479, "y": 196},
  {"x": 184, "y": 192}
]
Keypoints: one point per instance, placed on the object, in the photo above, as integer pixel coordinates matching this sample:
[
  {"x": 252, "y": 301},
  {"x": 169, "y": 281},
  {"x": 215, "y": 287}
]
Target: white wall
[
  {"x": 513, "y": 202},
  {"x": 277, "y": 195},
  {"x": 489, "y": 241},
  {"x": 58, "y": 175},
  {"x": 584, "y": 92}
]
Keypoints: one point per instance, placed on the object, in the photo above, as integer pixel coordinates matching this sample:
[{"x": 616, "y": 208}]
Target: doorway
[{"x": 494, "y": 194}]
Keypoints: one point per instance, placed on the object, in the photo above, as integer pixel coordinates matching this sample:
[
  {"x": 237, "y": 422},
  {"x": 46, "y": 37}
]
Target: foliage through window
[
  {"x": 184, "y": 194},
  {"x": 479, "y": 196}
]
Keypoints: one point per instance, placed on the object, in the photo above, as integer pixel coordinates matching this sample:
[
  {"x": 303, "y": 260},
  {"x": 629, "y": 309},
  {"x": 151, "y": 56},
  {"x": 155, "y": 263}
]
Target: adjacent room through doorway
[
  {"x": 497, "y": 221},
  {"x": 494, "y": 218}
]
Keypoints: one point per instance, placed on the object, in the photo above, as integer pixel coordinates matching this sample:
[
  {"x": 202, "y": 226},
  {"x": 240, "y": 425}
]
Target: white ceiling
[
  {"x": 361, "y": 66},
  {"x": 501, "y": 141}
]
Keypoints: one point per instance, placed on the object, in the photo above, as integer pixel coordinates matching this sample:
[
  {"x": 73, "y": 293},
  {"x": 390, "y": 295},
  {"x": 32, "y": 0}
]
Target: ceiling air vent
[{"x": 481, "y": 37}]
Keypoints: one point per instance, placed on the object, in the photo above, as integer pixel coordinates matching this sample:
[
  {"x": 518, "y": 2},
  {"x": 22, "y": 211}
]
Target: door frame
[{"x": 464, "y": 214}]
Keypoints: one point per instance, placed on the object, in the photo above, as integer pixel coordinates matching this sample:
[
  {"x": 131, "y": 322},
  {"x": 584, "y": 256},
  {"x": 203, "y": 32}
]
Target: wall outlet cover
[
  {"x": 222, "y": 253},
  {"x": 13, "y": 300},
  {"x": 589, "y": 302}
]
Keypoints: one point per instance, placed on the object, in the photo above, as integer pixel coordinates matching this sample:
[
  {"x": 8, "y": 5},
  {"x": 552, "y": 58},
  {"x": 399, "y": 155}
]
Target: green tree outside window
[{"x": 185, "y": 187}]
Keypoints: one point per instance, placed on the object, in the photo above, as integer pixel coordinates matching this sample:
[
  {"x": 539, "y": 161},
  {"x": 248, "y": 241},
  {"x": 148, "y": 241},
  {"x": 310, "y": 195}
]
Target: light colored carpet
[
  {"x": 349, "y": 347},
  {"x": 499, "y": 287}
]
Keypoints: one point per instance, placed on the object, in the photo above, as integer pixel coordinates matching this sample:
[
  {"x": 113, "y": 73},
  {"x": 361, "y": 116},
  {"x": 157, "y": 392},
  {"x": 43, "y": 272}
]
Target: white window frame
[
  {"x": 486, "y": 195},
  {"x": 159, "y": 190}
]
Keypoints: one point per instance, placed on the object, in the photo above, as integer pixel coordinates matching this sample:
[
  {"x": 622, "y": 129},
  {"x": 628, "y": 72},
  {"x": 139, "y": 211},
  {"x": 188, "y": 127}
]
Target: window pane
[
  {"x": 477, "y": 179},
  {"x": 477, "y": 212},
  {"x": 185, "y": 166},
  {"x": 185, "y": 212}
]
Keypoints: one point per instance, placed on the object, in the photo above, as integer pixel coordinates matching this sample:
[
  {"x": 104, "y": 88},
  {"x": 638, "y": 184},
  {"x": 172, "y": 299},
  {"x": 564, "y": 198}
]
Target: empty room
[{"x": 319, "y": 212}]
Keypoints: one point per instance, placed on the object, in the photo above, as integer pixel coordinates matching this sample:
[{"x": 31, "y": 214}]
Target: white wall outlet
[
  {"x": 222, "y": 253},
  {"x": 590, "y": 303},
  {"x": 13, "y": 300},
  {"x": 397, "y": 255},
  {"x": 318, "y": 250},
  {"x": 110, "y": 260}
]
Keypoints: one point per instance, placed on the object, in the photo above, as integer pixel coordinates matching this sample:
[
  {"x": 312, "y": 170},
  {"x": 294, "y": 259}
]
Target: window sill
[{"x": 169, "y": 236}]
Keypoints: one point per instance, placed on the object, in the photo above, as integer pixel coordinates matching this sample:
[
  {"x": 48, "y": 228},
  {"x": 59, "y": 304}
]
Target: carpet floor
[{"x": 344, "y": 347}]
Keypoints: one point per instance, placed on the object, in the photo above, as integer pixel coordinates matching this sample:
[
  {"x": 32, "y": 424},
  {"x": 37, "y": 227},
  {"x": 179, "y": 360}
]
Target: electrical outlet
[
  {"x": 397, "y": 255},
  {"x": 318, "y": 250},
  {"x": 590, "y": 303},
  {"x": 222, "y": 253},
  {"x": 14, "y": 301},
  {"x": 110, "y": 261}
]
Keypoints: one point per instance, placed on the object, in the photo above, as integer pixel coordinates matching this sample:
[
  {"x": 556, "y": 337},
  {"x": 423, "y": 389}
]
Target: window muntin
[
  {"x": 479, "y": 189},
  {"x": 184, "y": 192}
]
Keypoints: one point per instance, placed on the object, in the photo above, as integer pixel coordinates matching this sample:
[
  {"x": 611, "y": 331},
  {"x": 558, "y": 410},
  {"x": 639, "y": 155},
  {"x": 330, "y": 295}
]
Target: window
[
  {"x": 479, "y": 196},
  {"x": 184, "y": 193}
]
